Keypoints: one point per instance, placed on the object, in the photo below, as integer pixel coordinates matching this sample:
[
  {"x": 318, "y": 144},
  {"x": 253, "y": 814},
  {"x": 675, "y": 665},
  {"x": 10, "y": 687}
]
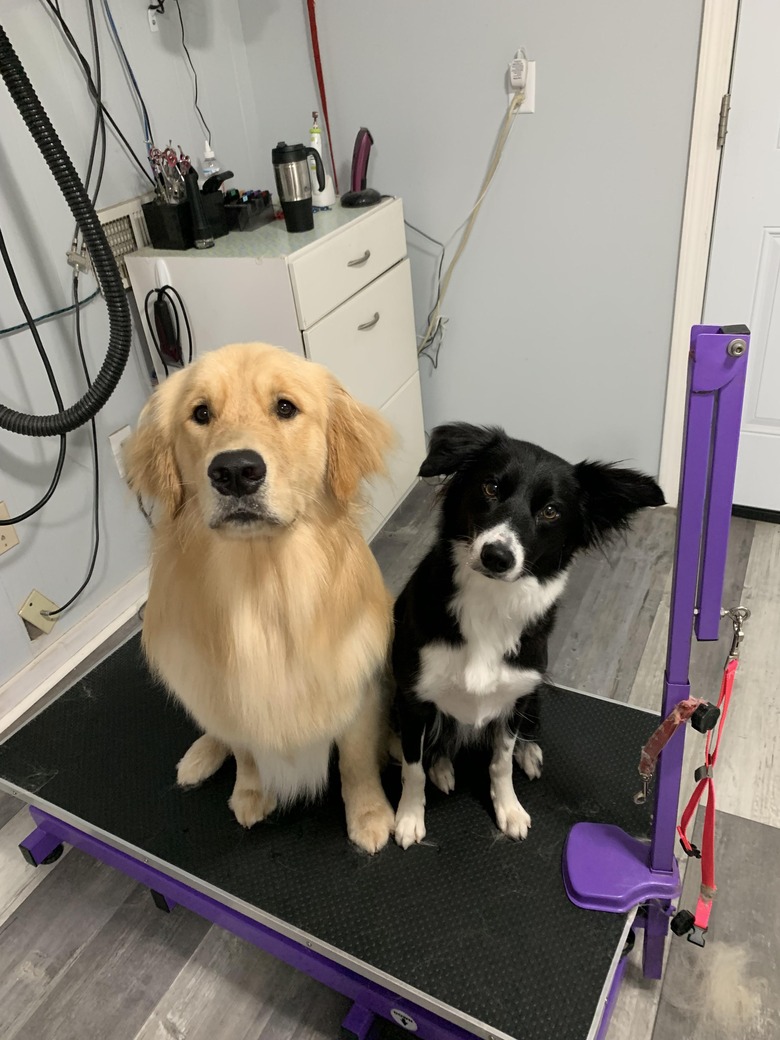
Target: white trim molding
[
  {"x": 716, "y": 51},
  {"x": 23, "y": 690}
]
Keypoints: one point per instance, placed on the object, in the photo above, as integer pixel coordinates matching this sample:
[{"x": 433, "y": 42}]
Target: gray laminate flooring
[{"x": 84, "y": 954}]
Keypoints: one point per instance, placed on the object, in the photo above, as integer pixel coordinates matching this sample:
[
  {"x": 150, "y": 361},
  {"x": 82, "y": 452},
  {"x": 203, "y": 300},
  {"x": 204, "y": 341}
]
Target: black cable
[
  {"x": 95, "y": 469},
  {"x": 103, "y": 261},
  {"x": 152, "y": 335},
  {"x": 52, "y": 382},
  {"x": 87, "y": 72},
  {"x": 430, "y": 238},
  {"x": 60, "y": 312},
  {"x": 164, "y": 293},
  {"x": 170, "y": 289},
  {"x": 98, "y": 131},
  {"x": 194, "y": 73},
  {"x": 123, "y": 54}
]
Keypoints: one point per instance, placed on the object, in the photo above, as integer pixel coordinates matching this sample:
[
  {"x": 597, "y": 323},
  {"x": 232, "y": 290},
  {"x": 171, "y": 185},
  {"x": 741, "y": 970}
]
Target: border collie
[{"x": 472, "y": 624}]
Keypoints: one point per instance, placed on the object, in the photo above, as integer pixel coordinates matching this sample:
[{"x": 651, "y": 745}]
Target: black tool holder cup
[{"x": 293, "y": 183}]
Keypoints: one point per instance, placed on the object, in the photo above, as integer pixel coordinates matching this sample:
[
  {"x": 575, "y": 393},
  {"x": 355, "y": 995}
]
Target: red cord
[{"x": 315, "y": 46}]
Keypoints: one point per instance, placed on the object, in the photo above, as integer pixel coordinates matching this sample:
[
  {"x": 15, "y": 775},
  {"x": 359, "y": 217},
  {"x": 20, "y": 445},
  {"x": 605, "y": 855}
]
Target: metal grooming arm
[{"x": 605, "y": 869}]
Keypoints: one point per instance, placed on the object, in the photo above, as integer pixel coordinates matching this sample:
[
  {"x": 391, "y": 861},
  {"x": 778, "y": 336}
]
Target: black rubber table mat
[{"x": 471, "y": 918}]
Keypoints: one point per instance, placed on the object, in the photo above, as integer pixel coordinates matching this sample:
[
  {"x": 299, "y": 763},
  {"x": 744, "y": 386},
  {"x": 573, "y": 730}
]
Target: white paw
[
  {"x": 529, "y": 757},
  {"x": 250, "y": 805},
  {"x": 512, "y": 819},
  {"x": 201, "y": 761},
  {"x": 442, "y": 774},
  {"x": 409, "y": 826},
  {"x": 370, "y": 825}
]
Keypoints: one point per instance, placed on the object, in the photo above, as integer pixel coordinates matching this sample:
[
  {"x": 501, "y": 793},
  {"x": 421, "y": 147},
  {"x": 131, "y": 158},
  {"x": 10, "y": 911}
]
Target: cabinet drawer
[
  {"x": 404, "y": 412},
  {"x": 369, "y": 343},
  {"x": 327, "y": 273}
]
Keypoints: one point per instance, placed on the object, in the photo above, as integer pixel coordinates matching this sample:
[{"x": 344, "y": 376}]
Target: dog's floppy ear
[
  {"x": 611, "y": 496},
  {"x": 358, "y": 440},
  {"x": 454, "y": 445},
  {"x": 149, "y": 460}
]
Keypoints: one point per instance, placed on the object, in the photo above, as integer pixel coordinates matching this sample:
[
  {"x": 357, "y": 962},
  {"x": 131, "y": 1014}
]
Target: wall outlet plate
[
  {"x": 117, "y": 442},
  {"x": 30, "y": 611},
  {"x": 8, "y": 536}
]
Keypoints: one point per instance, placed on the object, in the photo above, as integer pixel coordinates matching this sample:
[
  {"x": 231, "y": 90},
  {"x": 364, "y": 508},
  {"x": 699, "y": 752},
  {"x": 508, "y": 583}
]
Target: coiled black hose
[{"x": 103, "y": 262}]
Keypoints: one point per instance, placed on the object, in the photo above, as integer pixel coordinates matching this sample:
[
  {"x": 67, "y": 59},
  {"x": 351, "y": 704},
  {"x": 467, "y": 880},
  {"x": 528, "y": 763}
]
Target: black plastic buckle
[
  {"x": 703, "y": 773},
  {"x": 690, "y": 849},
  {"x": 697, "y": 935},
  {"x": 682, "y": 922},
  {"x": 705, "y": 717}
]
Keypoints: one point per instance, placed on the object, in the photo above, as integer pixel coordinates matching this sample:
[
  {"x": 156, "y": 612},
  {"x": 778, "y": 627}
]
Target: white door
[{"x": 743, "y": 282}]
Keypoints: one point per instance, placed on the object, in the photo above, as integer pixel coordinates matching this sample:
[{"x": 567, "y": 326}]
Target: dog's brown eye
[
  {"x": 550, "y": 512},
  {"x": 285, "y": 409},
  {"x": 490, "y": 489},
  {"x": 201, "y": 414}
]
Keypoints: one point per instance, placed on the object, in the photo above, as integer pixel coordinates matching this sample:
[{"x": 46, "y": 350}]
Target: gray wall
[
  {"x": 55, "y": 545},
  {"x": 560, "y": 309}
]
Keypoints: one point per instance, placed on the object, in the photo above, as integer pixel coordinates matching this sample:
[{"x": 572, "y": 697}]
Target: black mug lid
[{"x": 287, "y": 153}]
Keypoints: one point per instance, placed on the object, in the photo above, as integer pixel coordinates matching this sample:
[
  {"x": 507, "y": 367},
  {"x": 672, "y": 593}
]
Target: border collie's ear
[
  {"x": 453, "y": 445},
  {"x": 611, "y": 496}
]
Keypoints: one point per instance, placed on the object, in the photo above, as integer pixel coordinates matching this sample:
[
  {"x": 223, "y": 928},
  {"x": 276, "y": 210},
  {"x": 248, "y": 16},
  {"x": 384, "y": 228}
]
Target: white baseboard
[{"x": 20, "y": 693}]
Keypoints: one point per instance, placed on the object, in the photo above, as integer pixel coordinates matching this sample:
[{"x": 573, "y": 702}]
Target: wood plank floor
[{"x": 84, "y": 953}]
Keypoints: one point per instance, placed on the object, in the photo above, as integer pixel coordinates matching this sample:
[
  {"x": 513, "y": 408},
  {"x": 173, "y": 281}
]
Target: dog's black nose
[
  {"x": 237, "y": 473},
  {"x": 497, "y": 557}
]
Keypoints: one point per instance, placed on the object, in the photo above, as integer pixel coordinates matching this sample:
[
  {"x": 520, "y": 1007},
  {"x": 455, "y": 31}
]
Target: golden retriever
[{"x": 267, "y": 614}]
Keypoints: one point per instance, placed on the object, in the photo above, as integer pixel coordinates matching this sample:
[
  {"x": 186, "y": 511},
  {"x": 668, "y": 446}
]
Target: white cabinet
[{"x": 341, "y": 295}]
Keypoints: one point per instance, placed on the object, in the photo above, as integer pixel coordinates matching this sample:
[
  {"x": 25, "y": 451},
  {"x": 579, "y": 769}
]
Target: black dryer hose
[{"x": 103, "y": 262}]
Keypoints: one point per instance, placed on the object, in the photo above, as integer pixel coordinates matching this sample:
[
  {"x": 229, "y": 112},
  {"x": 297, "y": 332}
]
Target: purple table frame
[{"x": 604, "y": 869}]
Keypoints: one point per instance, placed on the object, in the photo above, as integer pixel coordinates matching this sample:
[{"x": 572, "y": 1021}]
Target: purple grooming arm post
[{"x": 605, "y": 869}]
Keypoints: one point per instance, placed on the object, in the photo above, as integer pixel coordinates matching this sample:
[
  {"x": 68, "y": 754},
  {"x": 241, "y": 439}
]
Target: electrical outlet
[
  {"x": 117, "y": 442},
  {"x": 31, "y": 612},
  {"x": 528, "y": 106},
  {"x": 8, "y": 536}
]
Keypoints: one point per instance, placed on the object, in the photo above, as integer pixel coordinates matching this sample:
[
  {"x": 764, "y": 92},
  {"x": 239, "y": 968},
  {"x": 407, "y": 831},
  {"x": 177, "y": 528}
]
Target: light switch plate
[
  {"x": 30, "y": 611},
  {"x": 8, "y": 536}
]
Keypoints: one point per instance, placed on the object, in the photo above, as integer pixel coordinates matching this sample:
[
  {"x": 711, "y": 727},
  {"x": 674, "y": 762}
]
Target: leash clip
[
  {"x": 641, "y": 796},
  {"x": 737, "y": 615}
]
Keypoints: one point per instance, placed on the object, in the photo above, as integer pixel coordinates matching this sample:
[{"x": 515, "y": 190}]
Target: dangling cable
[{"x": 104, "y": 264}]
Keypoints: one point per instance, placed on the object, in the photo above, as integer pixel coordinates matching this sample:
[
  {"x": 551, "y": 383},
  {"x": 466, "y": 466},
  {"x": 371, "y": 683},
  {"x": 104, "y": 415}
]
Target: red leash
[
  {"x": 704, "y": 717},
  {"x": 315, "y": 47}
]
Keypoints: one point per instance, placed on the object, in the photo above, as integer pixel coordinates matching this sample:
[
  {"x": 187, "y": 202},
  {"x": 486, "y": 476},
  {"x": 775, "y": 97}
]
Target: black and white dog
[{"x": 472, "y": 624}]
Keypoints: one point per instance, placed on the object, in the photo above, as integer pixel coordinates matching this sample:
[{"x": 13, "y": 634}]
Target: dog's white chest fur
[{"x": 473, "y": 683}]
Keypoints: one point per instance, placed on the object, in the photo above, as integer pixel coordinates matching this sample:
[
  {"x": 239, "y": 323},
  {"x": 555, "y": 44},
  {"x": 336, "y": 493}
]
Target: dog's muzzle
[{"x": 238, "y": 478}]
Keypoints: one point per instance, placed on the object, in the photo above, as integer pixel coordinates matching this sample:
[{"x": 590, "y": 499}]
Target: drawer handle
[
  {"x": 369, "y": 324},
  {"x": 360, "y": 261}
]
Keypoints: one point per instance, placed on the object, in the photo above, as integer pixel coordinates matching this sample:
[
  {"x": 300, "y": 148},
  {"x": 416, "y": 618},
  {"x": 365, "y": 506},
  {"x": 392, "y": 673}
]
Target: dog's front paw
[
  {"x": 529, "y": 757},
  {"x": 202, "y": 760},
  {"x": 442, "y": 774},
  {"x": 251, "y": 805},
  {"x": 409, "y": 826},
  {"x": 370, "y": 826},
  {"x": 512, "y": 819}
]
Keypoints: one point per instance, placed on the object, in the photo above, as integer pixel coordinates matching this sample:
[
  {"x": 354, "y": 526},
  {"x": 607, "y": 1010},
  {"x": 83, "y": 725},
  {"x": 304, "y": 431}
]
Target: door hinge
[{"x": 723, "y": 121}]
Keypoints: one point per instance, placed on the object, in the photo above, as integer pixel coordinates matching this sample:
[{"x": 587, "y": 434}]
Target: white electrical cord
[{"x": 435, "y": 320}]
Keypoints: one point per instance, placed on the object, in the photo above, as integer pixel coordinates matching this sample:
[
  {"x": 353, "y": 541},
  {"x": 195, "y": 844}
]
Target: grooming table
[
  {"x": 467, "y": 934},
  {"x": 470, "y": 929}
]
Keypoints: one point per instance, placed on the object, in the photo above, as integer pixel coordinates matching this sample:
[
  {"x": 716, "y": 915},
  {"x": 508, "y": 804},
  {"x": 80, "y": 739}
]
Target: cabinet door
[
  {"x": 404, "y": 413},
  {"x": 369, "y": 343}
]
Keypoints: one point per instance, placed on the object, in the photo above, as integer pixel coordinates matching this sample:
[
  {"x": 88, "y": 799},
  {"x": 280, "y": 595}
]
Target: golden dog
[{"x": 267, "y": 614}]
